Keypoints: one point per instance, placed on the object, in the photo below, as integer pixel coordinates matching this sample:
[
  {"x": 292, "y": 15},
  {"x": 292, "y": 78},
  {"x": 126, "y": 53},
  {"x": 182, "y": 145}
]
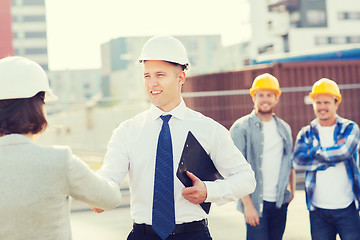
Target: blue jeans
[
  {"x": 201, "y": 235},
  {"x": 326, "y": 223},
  {"x": 272, "y": 223}
]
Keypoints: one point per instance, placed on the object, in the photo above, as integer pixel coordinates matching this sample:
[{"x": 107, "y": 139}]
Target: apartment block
[
  {"x": 28, "y": 27},
  {"x": 280, "y": 26}
]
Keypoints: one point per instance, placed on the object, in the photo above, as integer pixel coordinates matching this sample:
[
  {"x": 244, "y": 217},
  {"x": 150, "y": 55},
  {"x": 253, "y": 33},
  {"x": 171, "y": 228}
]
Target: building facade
[
  {"x": 280, "y": 26},
  {"x": 6, "y": 47},
  {"x": 75, "y": 85},
  {"x": 23, "y": 30}
]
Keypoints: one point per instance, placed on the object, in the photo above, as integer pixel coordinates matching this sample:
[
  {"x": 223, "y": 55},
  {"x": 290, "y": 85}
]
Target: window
[
  {"x": 349, "y": 15},
  {"x": 316, "y": 18},
  {"x": 34, "y": 2},
  {"x": 295, "y": 19},
  {"x": 354, "y": 39},
  {"x": 285, "y": 38},
  {"x": 35, "y": 34},
  {"x": 354, "y": 15},
  {"x": 18, "y": 52},
  {"x": 35, "y": 51},
  {"x": 342, "y": 15},
  {"x": 28, "y": 2},
  {"x": 338, "y": 40},
  {"x": 322, "y": 40},
  {"x": 313, "y": 13},
  {"x": 17, "y": 18},
  {"x": 266, "y": 49},
  {"x": 18, "y": 35},
  {"x": 16, "y": 2},
  {"x": 36, "y": 18}
]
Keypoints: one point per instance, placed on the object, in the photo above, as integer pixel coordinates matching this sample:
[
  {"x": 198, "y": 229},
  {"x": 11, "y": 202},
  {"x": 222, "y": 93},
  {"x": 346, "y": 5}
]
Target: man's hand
[
  {"x": 251, "y": 215},
  {"x": 197, "y": 193},
  {"x": 97, "y": 210},
  {"x": 292, "y": 196},
  {"x": 292, "y": 183}
]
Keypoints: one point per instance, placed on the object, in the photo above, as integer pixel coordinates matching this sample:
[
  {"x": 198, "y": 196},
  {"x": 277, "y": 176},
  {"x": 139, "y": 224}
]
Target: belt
[{"x": 189, "y": 227}]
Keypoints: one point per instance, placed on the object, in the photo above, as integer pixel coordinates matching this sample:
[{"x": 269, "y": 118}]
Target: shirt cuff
[
  {"x": 315, "y": 151},
  {"x": 213, "y": 190}
]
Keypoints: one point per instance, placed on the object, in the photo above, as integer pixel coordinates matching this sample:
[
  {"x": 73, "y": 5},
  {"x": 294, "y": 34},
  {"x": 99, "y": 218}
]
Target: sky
[{"x": 77, "y": 28}]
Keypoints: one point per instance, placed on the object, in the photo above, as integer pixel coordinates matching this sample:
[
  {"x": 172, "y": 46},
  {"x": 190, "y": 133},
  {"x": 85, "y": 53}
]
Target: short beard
[
  {"x": 271, "y": 111},
  {"x": 324, "y": 119}
]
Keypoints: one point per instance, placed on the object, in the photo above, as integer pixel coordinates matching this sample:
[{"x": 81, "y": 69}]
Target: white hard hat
[
  {"x": 23, "y": 78},
  {"x": 165, "y": 48}
]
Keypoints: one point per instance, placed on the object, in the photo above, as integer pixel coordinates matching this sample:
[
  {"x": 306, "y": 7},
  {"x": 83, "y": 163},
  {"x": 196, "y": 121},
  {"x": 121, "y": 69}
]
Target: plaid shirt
[{"x": 311, "y": 157}]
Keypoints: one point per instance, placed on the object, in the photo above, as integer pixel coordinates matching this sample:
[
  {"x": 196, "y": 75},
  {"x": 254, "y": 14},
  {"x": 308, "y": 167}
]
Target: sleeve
[
  {"x": 309, "y": 158},
  {"x": 238, "y": 176},
  {"x": 116, "y": 162},
  {"x": 349, "y": 144},
  {"x": 238, "y": 136},
  {"x": 305, "y": 153},
  {"x": 289, "y": 142},
  {"x": 86, "y": 186}
]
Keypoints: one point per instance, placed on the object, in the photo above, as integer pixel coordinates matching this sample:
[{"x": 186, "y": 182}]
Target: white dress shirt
[{"x": 132, "y": 149}]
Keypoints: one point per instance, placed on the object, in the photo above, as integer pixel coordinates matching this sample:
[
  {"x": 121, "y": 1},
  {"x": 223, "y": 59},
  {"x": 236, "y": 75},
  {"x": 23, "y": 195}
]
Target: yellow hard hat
[
  {"x": 265, "y": 81},
  {"x": 325, "y": 86}
]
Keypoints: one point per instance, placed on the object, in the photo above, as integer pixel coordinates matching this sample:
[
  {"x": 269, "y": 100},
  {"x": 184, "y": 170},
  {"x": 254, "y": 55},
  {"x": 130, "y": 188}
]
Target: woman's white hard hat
[
  {"x": 165, "y": 48},
  {"x": 23, "y": 78}
]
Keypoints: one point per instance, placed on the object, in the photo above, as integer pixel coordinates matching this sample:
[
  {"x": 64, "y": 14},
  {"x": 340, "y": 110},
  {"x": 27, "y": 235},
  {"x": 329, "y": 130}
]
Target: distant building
[
  {"x": 232, "y": 57},
  {"x": 6, "y": 46},
  {"x": 122, "y": 76},
  {"x": 23, "y": 30},
  {"x": 280, "y": 26},
  {"x": 75, "y": 85},
  {"x": 202, "y": 51}
]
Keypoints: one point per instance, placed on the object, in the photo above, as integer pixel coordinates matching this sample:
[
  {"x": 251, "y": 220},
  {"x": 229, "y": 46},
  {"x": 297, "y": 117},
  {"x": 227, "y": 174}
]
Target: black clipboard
[{"x": 195, "y": 159}]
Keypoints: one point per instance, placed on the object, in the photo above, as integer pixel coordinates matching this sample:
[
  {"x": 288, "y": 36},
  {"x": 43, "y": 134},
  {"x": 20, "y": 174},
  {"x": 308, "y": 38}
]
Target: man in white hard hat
[
  {"x": 149, "y": 146},
  {"x": 328, "y": 150}
]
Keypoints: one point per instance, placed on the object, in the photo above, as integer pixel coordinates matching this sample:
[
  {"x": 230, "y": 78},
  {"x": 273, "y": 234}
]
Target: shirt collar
[
  {"x": 257, "y": 119},
  {"x": 14, "y": 139},
  {"x": 177, "y": 112},
  {"x": 339, "y": 121}
]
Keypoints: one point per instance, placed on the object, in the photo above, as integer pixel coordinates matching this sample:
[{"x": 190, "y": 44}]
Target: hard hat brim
[{"x": 50, "y": 96}]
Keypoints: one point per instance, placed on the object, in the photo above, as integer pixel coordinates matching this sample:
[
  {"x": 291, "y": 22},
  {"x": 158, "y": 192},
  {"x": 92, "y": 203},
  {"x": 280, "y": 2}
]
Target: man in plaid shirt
[{"x": 327, "y": 150}]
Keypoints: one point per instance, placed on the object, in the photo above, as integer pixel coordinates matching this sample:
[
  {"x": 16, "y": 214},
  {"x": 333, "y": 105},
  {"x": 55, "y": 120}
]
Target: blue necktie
[{"x": 163, "y": 215}]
